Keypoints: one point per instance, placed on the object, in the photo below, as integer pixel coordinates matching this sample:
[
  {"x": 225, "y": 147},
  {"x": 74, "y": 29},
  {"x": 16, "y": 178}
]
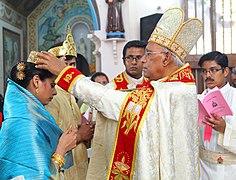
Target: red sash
[
  {"x": 183, "y": 74},
  {"x": 132, "y": 116},
  {"x": 121, "y": 82}
]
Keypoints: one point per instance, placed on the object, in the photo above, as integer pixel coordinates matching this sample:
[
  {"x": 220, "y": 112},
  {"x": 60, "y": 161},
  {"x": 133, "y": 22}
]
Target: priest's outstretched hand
[{"x": 49, "y": 62}]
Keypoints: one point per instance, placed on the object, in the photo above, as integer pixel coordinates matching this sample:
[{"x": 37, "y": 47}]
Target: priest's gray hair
[
  {"x": 177, "y": 61},
  {"x": 234, "y": 70}
]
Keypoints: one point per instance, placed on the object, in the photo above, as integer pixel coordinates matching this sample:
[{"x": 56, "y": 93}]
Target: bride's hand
[{"x": 67, "y": 141}]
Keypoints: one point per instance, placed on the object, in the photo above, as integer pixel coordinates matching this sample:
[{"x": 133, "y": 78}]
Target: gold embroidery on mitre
[
  {"x": 176, "y": 35},
  {"x": 69, "y": 77},
  {"x": 139, "y": 99},
  {"x": 67, "y": 48}
]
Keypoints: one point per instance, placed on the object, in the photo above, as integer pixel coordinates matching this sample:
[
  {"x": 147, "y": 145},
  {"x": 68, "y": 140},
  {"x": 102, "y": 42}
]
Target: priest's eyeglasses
[
  {"x": 212, "y": 70},
  {"x": 131, "y": 58},
  {"x": 149, "y": 54}
]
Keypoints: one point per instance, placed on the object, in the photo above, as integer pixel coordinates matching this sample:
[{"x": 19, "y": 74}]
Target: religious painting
[{"x": 11, "y": 51}]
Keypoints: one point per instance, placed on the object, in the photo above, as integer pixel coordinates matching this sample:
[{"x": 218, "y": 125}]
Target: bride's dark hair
[{"x": 23, "y": 72}]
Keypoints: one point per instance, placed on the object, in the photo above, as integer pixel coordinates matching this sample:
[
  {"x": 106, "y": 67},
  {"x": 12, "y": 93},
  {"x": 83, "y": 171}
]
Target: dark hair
[
  {"x": 82, "y": 64},
  {"x": 216, "y": 56},
  {"x": 30, "y": 71},
  {"x": 96, "y": 74},
  {"x": 134, "y": 43}
]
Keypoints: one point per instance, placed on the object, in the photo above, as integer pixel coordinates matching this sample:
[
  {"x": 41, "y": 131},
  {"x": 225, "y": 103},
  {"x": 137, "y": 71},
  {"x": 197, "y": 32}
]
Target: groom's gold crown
[
  {"x": 176, "y": 35},
  {"x": 67, "y": 48}
]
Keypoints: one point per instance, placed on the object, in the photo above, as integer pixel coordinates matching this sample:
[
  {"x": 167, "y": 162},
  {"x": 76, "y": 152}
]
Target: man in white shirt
[{"x": 218, "y": 154}]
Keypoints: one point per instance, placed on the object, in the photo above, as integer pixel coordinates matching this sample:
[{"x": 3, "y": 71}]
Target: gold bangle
[
  {"x": 57, "y": 158},
  {"x": 58, "y": 163}
]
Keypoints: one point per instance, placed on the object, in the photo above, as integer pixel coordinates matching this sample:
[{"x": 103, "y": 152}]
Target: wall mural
[{"x": 52, "y": 23}]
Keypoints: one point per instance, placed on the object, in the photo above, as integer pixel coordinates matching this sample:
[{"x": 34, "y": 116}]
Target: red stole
[
  {"x": 121, "y": 82},
  {"x": 132, "y": 116}
]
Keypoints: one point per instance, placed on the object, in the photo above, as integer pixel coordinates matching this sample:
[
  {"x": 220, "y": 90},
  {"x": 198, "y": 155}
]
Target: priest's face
[
  {"x": 213, "y": 74},
  {"x": 153, "y": 61},
  {"x": 133, "y": 63}
]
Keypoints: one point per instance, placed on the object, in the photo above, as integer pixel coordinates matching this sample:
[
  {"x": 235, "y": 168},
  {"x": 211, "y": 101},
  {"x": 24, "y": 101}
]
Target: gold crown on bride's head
[
  {"x": 176, "y": 35},
  {"x": 32, "y": 57},
  {"x": 67, "y": 48}
]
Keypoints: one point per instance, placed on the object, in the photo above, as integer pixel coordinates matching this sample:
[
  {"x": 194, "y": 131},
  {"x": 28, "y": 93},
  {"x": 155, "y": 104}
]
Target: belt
[{"x": 217, "y": 158}]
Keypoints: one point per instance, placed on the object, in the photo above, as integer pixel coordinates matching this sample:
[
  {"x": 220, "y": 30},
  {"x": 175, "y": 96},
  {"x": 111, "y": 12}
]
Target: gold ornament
[
  {"x": 67, "y": 48},
  {"x": 20, "y": 75},
  {"x": 176, "y": 35},
  {"x": 32, "y": 57},
  {"x": 58, "y": 159}
]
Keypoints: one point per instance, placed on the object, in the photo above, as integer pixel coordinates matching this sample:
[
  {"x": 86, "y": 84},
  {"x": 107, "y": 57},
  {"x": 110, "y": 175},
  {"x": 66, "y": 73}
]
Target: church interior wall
[
  {"x": 108, "y": 52},
  {"x": 132, "y": 11},
  {"x": 13, "y": 41}
]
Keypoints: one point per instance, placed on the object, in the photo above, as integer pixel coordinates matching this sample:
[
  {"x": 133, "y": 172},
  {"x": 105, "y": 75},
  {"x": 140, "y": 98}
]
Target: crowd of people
[{"x": 141, "y": 125}]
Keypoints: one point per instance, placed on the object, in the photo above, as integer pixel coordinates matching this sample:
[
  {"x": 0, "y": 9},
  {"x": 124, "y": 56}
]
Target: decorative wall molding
[
  {"x": 10, "y": 16},
  {"x": 114, "y": 47}
]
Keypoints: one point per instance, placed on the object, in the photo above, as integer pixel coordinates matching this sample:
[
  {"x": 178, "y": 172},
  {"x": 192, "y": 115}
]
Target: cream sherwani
[
  {"x": 168, "y": 143},
  {"x": 65, "y": 111},
  {"x": 223, "y": 143}
]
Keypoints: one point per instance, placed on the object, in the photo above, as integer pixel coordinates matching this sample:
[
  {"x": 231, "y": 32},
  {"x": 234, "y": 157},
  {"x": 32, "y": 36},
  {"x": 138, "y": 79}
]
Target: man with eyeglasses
[
  {"x": 157, "y": 134},
  {"x": 218, "y": 154},
  {"x": 133, "y": 51}
]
